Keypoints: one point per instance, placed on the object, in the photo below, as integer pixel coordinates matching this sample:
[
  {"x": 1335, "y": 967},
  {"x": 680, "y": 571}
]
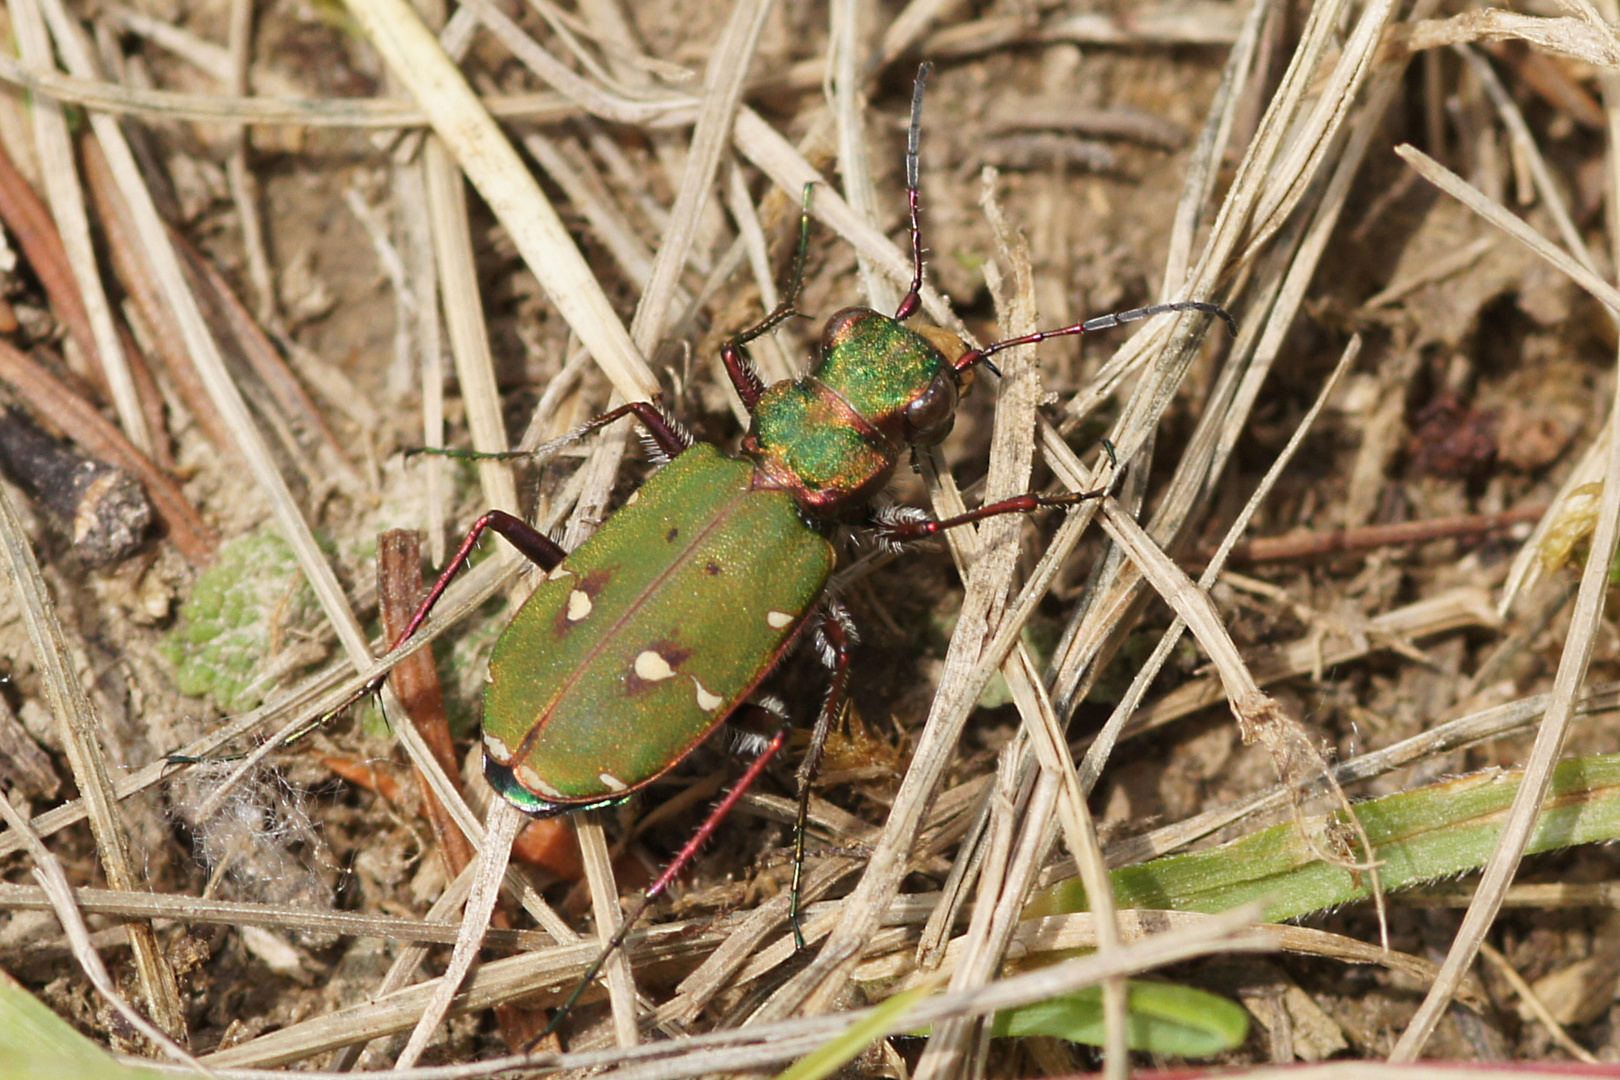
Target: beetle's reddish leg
[
  {"x": 901, "y": 524},
  {"x": 533, "y": 544},
  {"x": 679, "y": 863},
  {"x": 1091, "y": 326},
  {"x": 669, "y": 435},
  {"x": 835, "y": 640},
  {"x": 902, "y": 529},
  {"x": 734, "y": 353}
]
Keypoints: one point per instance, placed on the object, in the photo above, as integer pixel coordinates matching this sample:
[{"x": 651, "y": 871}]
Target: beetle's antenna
[
  {"x": 913, "y": 299},
  {"x": 1100, "y": 322}
]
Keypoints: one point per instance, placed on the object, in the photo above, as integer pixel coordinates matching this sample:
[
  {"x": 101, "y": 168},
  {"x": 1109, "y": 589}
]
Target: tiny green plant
[{"x": 640, "y": 643}]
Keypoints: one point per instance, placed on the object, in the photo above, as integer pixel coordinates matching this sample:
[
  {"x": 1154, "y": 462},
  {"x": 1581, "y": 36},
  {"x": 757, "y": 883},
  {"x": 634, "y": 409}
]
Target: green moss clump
[{"x": 245, "y": 624}]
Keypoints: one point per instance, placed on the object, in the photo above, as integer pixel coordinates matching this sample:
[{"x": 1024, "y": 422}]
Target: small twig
[
  {"x": 101, "y": 440},
  {"x": 1321, "y": 545},
  {"x": 416, "y": 680},
  {"x": 101, "y": 507},
  {"x": 104, "y": 351},
  {"x": 1537, "y": 1007},
  {"x": 80, "y": 733}
]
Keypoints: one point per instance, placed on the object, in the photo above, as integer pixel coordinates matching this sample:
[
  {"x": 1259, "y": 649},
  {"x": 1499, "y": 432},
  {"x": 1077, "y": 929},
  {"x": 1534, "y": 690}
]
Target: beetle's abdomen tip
[{"x": 507, "y": 786}]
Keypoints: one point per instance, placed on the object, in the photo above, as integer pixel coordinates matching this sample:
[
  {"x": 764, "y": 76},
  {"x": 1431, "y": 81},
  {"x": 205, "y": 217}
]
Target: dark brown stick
[
  {"x": 416, "y": 680},
  {"x": 101, "y": 439},
  {"x": 140, "y": 282},
  {"x": 100, "y": 506},
  {"x": 1319, "y": 545}
]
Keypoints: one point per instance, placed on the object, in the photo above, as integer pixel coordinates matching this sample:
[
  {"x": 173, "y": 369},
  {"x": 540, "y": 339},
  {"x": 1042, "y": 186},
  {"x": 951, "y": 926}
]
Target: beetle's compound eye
[
  {"x": 930, "y": 415},
  {"x": 837, "y": 330}
]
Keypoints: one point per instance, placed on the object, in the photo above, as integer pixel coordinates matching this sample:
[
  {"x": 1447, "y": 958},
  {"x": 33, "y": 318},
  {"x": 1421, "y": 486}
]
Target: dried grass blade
[
  {"x": 499, "y": 830},
  {"x": 842, "y": 85},
  {"x": 723, "y": 87},
  {"x": 204, "y": 352},
  {"x": 416, "y": 58},
  {"x": 77, "y": 727},
  {"x": 1103, "y": 744},
  {"x": 54, "y": 884},
  {"x": 55, "y": 147},
  {"x": 463, "y": 308},
  {"x": 1585, "y": 622},
  {"x": 1504, "y": 219}
]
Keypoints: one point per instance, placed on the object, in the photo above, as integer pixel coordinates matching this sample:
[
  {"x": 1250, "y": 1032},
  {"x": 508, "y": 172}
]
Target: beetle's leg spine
[
  {"x": 835, "y": 642},
  {"x": 676, "y": 865},
  {"x": 667, "y": 433}
]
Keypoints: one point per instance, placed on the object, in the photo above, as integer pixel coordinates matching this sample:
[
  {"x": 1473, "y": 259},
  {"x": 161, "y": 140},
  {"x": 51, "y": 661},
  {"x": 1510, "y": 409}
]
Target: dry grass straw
[
  {"x": 55, "y": 148},
  {"x": 1258, "y": 249},
  {"x": 1586, "y": 623},
  {"x": 79, "y": 731}
]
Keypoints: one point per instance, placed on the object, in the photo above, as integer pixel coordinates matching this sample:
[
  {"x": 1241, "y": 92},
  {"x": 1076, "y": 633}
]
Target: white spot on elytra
[
  {"x": 579, "y": 605},
  {"x": 611, "y": 782},
  {"x": 635, "y": 497},
  {"x": 653, "y": 667},
  {"x": 496, "y": 747},
  {"x": 706, "y": 701},
  {"x": 778, "y": 619},
  {"x": 558, "y": 572},
  {"x": 531, "y": 780}
]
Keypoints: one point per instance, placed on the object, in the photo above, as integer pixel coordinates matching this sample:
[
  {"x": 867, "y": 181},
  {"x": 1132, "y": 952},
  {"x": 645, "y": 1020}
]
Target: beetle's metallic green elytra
[{"x": 648, "y": 635}]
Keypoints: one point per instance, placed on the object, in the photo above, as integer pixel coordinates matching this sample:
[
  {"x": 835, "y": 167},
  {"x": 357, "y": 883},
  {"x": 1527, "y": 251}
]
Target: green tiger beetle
[{"x": 640, "y": 643}]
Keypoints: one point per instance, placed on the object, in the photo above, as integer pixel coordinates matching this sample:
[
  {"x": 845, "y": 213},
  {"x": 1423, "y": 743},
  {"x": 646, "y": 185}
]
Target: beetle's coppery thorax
[{"x": 833, "y": 438}]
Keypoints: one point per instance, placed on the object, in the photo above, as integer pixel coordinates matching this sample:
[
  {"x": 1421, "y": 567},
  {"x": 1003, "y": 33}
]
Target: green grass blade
[
  {"x": 1163, "y": 1019},
  {"x": 835, "y": 1054},
  {"x": 36, "y": 1044},
  {"x": 1419, "y": 836}
]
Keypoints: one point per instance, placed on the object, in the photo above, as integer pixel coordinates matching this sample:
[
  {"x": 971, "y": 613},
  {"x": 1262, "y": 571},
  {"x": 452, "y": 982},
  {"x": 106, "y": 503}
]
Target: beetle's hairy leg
[
  {"x": 533, "y": 544},
  {"x": 681, "y": 860},
  {"x": 835, "y": 642},
  {"x": 896, "y": 525}
]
